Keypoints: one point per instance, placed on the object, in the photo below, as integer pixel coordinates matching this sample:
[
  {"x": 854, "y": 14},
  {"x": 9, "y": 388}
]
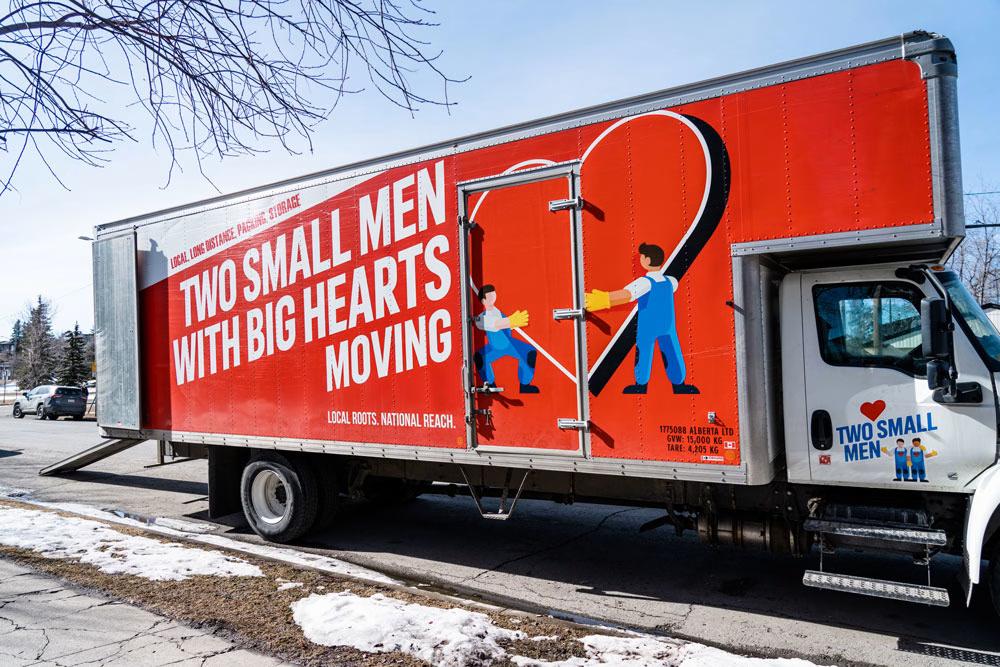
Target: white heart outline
[{"x": 540, "y": 162}]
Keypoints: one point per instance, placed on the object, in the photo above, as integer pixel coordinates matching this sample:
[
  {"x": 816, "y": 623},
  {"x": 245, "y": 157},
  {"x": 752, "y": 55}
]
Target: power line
[{"x": 987, "y": 192}]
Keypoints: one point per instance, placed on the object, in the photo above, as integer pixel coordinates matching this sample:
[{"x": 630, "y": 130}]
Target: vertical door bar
[
  {"x": 468, "y": 380},
  {"x": 576, "y": 238}
]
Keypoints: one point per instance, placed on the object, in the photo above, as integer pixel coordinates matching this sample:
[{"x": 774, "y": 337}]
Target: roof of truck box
[{"x": 908, "y": 45}]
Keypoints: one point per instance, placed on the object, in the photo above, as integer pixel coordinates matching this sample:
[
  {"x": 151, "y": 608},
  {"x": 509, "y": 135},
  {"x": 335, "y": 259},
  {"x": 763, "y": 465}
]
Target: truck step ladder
[
  {"x": 880, "y": 588},
  {"x": 877, "y": 529},
  {"x": 922, "y": 536},
  {"x": 502, "y": 512},
  {"x": 98, "y": 452}
]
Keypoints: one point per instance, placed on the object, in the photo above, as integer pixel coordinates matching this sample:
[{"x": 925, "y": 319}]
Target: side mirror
[
  {"x": 935, "y": 329},
  {"x": 938, "y": 373}
]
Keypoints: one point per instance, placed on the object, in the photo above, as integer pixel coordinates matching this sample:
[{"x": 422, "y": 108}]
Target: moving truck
[{"x": 724, "y": 300}]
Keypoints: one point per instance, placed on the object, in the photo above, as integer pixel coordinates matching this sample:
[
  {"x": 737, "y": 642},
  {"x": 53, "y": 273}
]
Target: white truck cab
[{"x": 896, "y": 366}]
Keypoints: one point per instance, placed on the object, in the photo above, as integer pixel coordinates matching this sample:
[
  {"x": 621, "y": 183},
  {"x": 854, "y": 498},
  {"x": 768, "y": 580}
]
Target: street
[{"x": 577, "y": 561}]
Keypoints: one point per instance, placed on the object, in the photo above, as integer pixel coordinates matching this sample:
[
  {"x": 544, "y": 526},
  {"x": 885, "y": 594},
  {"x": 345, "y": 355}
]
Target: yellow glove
[
  {"x": 597, "y": 300},
  {"x": 933, "y": 453},
  {"x": 518, "y": 319}
]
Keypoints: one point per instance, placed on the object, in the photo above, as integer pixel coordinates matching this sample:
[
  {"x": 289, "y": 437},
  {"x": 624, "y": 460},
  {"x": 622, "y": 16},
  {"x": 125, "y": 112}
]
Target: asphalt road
[{"x": 581, "y": 560}]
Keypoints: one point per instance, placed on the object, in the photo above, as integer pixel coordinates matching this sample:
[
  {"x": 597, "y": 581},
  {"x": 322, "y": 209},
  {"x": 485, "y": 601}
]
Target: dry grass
[{"x": 253, "y": 613}]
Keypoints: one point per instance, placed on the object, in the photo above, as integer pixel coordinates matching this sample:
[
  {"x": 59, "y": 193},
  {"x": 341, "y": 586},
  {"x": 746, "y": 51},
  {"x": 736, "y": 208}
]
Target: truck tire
[
  {"x": 40, "y": 412},
  {"x": 17, "y": 412},
  {"x": 279, "y": 498},
  {"x": 329, "y": 500}
]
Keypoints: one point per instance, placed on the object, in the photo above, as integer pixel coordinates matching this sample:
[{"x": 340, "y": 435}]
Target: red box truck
[{"x": 724, "y": 300}]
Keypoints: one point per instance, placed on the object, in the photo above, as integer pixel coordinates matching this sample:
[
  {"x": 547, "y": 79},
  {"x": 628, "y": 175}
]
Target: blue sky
[{"x": 525, "y": 59}]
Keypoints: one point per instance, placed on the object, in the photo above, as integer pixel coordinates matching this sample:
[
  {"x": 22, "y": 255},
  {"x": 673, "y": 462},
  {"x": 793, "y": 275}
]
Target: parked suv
[{"x": 51, "y": 401}]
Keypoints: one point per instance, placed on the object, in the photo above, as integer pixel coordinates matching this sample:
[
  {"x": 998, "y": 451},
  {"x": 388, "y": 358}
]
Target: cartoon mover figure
[
  {"x": 654, "y": 294},
  {"x": 500, "y": 342},
  {"x": 910, "y": 464}
]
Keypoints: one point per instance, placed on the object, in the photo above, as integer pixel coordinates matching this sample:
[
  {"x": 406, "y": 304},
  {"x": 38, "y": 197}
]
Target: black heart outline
[{"x": 702, "y": 231}]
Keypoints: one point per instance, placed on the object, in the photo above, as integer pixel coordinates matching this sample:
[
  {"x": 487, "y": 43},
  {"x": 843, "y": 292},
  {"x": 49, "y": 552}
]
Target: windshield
[{"x": 976, "y": 321}]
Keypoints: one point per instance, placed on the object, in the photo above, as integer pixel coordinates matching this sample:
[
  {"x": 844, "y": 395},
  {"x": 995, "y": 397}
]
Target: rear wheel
[
  {"x": 40, "y": 412},
  {"x": 279, "y": 498},
  {"x": 18, "y": 414}
]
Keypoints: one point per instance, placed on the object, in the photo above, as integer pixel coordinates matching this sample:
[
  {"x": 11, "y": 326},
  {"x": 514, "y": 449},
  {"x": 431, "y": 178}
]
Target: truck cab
[{"x": 898, "y": 403}]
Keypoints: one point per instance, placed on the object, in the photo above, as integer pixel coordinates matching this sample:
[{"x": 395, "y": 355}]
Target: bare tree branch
[
  {"x": 214, "y": 77},
  {"x": 977, "y": 259}
]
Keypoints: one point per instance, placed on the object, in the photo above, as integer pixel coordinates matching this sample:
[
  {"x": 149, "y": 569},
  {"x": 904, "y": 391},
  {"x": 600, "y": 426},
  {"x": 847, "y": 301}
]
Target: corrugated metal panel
[{"x": 116, "y": 336}]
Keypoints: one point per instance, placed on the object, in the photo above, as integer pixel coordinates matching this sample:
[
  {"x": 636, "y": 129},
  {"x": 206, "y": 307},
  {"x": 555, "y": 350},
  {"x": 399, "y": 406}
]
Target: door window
[{"x": 873, "y": 324}]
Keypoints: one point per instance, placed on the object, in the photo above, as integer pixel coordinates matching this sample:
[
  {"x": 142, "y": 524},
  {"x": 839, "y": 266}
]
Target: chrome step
[
  {"x": 879, "y": 588},
  {"x": 926, "y": 536}
]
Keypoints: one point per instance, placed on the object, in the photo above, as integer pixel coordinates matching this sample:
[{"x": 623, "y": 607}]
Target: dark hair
[
  {"x": 484, "y": 290},
  {"x": 901, "y": 440},
  {"x": 916, "y": 440},
  {"x": 653, "y": 252}
]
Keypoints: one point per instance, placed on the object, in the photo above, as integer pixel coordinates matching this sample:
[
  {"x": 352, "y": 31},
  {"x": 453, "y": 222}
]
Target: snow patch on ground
[
  {"x": 55, "y": 536},
  {"x": 163, "y": 527},
  {"x": 289, "y": 585},
  {"x": 378, "y": 624},
  {"x": 455, "y": 637},
  {"x": 302, "y": 558}
]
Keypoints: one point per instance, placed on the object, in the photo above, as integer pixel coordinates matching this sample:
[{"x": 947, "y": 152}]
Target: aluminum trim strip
[{"x": 524, "y": 460}]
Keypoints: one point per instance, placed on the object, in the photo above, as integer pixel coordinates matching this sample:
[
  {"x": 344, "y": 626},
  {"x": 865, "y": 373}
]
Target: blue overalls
[
  {"x": 917, "y": 466},
  {"x": 902, "y": 470},
  {"x": 657, "y": 325},
  {"x": 500, "y": 344}
]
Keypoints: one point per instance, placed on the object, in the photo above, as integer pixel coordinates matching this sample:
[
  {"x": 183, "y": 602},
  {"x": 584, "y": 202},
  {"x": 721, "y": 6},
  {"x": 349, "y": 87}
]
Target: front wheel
[
  {"x": 279, "y": 498},
  {"x": 18, "y": 414}
]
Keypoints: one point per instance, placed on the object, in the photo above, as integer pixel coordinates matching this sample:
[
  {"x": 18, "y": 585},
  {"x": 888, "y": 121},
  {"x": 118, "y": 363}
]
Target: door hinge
[
  {"x": 481, "y": 412},
  {"x": 571, "y": 424},
  {"x": 566, "y": 204}
]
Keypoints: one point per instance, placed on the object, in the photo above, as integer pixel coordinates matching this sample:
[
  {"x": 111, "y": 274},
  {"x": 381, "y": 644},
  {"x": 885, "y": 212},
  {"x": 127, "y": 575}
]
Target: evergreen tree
[
  {"x": 74, "y": 369},
  {"x": 37, "y": 356},
  {"x": 16, "y": 335}
]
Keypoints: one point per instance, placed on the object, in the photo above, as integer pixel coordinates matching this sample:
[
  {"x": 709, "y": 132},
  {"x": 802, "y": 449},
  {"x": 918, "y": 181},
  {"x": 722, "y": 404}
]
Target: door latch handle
[
  {"x": 487, "y": 389},
  {"x": 565, "y": 204},
  {"x": 567, "y": 313},
  {"x": 571, "y": 424},
  {"x": 821, "y": 430}
]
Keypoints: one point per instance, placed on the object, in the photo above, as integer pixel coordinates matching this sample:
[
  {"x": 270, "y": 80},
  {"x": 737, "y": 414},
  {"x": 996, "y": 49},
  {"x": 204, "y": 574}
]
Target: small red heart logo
[{"x": 873, "y": 410}]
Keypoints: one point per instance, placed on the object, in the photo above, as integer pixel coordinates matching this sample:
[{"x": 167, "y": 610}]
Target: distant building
[{"x": 6, "y": 361}]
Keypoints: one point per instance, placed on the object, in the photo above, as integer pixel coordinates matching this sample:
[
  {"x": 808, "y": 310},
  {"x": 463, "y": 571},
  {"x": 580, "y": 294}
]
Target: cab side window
[{"x": 870, "y": 325}]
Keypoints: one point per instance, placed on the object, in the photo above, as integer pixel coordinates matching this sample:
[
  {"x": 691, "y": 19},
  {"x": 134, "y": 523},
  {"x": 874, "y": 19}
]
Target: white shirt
[
  {"x": 641, "y": 286},
  {"x": 489, "y": 319}
]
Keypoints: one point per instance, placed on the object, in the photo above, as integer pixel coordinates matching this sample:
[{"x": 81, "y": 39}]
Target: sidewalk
[{"x": 44, "y": 622}]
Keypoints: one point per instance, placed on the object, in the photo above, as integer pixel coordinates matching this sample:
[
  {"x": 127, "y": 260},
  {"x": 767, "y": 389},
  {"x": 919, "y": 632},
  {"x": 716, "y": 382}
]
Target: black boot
[
  {"x": 529, "y": 389},
  {"x": 686, "y": 389},
  {"x": 634, "y": 389}
]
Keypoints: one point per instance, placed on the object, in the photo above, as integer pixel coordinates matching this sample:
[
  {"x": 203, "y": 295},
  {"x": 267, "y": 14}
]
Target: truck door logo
[{"x": 873, "y": 410}]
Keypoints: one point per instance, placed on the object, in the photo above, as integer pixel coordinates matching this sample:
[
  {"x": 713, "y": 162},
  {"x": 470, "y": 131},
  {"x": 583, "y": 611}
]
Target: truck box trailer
[{"x": 724, "y": 300}]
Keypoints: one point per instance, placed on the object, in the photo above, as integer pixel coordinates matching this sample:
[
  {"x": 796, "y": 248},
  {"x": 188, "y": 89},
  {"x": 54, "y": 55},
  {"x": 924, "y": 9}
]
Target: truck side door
[{"x": 858, "y": 410}]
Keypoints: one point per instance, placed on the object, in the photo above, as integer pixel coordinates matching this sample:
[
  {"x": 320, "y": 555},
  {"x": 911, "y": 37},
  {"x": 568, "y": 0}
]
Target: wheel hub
[{"x": 269, "y": 496}]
